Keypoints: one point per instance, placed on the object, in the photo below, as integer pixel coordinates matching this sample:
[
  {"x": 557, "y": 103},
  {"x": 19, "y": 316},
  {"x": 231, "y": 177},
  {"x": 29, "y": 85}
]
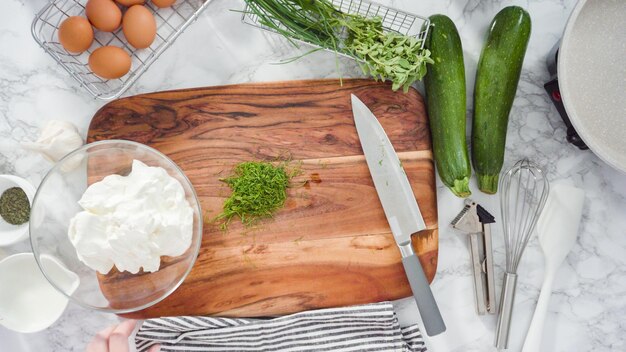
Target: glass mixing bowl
[{"x": 56, "y": 202}]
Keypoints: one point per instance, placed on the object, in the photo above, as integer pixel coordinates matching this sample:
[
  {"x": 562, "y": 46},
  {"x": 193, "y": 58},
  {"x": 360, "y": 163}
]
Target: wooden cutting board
[{"x": 331, "y": 244}]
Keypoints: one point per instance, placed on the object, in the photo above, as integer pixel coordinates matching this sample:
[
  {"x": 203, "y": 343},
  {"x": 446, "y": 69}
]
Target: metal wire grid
[
  {"x": 171, "y": 22},
  {"x": 393, "y": 20}
]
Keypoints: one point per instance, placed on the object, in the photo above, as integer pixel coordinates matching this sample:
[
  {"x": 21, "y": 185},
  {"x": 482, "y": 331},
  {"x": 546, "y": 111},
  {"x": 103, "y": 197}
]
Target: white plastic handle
[{"x": 535, "y": 332}]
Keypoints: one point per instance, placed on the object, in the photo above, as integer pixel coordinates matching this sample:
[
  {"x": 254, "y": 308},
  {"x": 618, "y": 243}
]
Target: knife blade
[{"x": 401, "y": 208}]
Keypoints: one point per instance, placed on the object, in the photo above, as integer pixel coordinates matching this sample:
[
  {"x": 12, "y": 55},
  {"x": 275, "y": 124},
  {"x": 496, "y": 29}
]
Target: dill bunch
[{"x": 258, "y": 190}]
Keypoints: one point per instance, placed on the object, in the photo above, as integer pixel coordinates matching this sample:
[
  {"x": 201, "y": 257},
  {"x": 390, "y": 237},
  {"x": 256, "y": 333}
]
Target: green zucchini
[
  {"x": 497, "y": 76},
  {"x": 445, "y": 100}
]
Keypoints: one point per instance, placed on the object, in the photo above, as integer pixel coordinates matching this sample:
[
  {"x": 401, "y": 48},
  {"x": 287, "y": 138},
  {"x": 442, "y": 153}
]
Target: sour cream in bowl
[{"x": 124, "y": 218}]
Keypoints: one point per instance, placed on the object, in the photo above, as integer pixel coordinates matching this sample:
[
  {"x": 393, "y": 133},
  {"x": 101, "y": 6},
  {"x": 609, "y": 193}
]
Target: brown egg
[
  {"x": 109, "y": 62},
  {"x": 104, "y": 14},
  {"x": 130, "y": 2},
  {"x": 75, "y": 34},
  {"x": 163, "y": 3},
  {"x": 139, "y": 26}
]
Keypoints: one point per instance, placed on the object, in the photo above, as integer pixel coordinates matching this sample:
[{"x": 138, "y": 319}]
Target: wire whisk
[{"x": 523, "y": 193}]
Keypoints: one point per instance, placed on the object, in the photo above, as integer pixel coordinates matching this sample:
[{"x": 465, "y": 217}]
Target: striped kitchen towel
[{"x": 372, "y": 327}]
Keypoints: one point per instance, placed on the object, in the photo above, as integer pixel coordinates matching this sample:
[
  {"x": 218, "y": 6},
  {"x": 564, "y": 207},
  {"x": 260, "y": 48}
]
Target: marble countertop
[{"x": 587, "y": 310}]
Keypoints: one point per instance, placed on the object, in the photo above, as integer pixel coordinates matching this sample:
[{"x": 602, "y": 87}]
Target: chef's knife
[{"x": 401, "y": 209}]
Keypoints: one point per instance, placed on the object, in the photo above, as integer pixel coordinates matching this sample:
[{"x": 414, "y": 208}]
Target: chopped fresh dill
[
  {"x": 247, "y": 260},
  {"x": 207, "y": 216},
  {"x": 258, "y": 190},
  {"x": 303, "y": 195}
]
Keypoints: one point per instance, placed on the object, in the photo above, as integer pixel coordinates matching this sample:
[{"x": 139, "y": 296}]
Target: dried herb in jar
[{"x": 14, "y": 206}]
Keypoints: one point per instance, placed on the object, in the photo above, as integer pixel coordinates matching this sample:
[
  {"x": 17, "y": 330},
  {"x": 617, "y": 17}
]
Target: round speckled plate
[{"x": 592, "y": 76}]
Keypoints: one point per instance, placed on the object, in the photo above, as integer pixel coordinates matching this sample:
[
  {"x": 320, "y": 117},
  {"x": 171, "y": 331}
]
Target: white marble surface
[{"x": 588, "y": 308}]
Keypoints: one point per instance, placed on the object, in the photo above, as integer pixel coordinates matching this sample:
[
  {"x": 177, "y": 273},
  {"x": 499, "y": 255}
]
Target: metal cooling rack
[
  {"x": 171, "y": 22},
  {"x": 393, "y": 20}
]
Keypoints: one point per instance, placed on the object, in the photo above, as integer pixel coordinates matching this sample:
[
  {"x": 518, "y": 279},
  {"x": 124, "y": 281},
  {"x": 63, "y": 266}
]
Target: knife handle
[{"x": 426, "y": 304}]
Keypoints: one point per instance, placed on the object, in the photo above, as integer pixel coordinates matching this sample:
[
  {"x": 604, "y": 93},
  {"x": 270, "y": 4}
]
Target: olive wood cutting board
[{"x": 331, "y": 244}]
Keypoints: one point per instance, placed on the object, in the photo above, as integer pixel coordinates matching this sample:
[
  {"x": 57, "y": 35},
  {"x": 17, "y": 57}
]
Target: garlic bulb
[{"x": 57, "y": 139}]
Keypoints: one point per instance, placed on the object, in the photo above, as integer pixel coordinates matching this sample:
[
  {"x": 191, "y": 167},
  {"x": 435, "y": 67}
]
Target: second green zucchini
[{"x": 497, "y": 76}]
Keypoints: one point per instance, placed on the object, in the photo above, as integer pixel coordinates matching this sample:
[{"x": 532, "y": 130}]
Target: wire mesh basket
[
  {"x": 171, "y": 22},
  {"x": 393, "y": 20}
]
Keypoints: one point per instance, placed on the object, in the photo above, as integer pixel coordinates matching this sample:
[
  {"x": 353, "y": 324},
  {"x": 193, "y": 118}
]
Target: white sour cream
[{"x": 131, "y": 221}]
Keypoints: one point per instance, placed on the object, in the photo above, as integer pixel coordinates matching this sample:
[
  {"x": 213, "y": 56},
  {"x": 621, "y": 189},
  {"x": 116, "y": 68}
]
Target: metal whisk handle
[{"x": 506, "y": 309}]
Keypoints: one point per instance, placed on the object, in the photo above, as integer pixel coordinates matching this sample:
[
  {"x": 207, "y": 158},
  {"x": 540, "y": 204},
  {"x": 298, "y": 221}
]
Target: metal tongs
[{"x": 474, "y": 220}]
